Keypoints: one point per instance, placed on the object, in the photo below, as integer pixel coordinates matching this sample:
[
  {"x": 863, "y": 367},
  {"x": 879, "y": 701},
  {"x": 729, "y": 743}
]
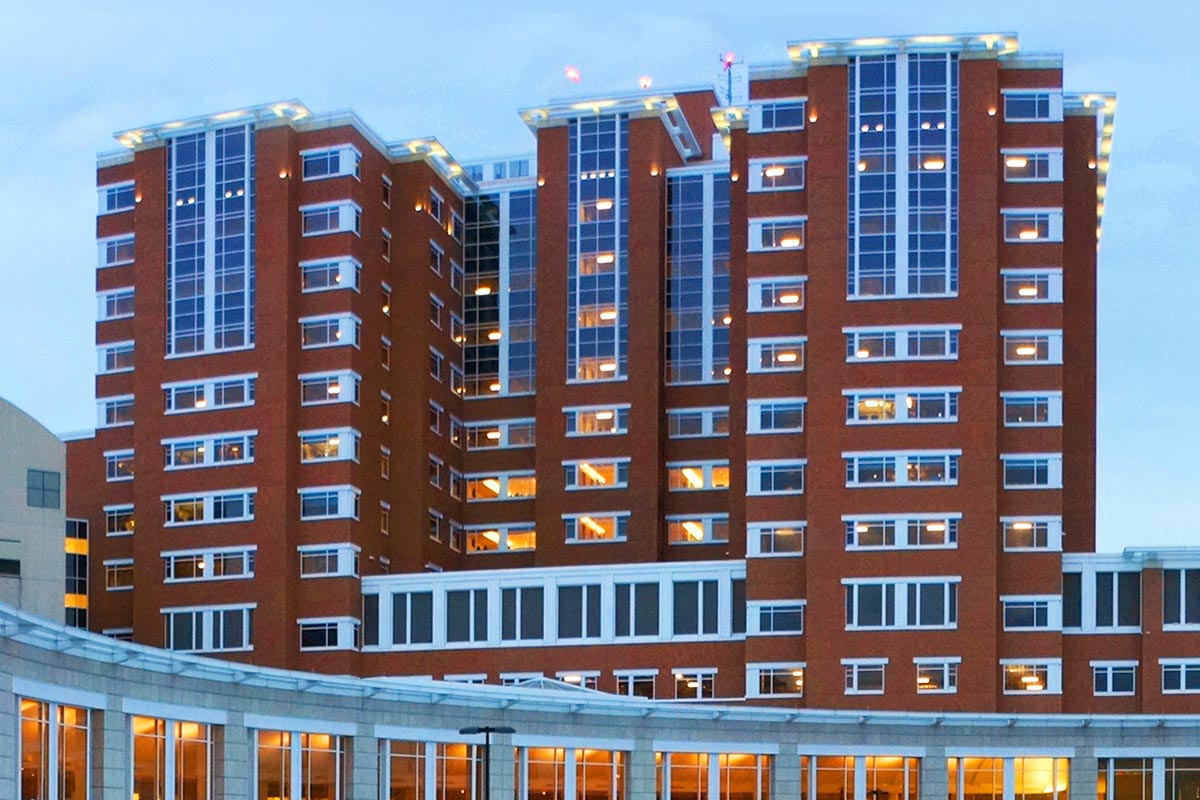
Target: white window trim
[
  {"x": 1054, "y": 347},
  {"x": 1107, "y": 665},
  {"x": 207, "y": 440},
  {"x": 901, "y": 333},
  {"x": 208, "y": 387},
  {"x": 1054, "y": 408},
  {"x": 855, "y": 663},
  {"x": 755, "y": 405},
  {"x": 103, "y": 297},
  {"x": 755, "y": 172},
  {"x": 348, "y": 328},
  {"x": 1053, "y": 675},
  {"x": 207, "y": 628},
  {"x": 900, "y": 602},
  {"x": 754, "y": 620},
  {"x": 613, "y": 407},
  {"x": 342, "y": 150},
  {"x": 754, "y": 482},
  {"x": 1053, "y": 275},
  {"x": 616, "y": 516},
  {"x": 116, "y": 562},
  {"x": 1056, "y": 163},
  {"x": 347, "y": 629},
  {"x": 102, "y": 195},
  {"x": 341, "y": 396},
  {"x": 1054, "y": 234},
  {"x": 1056, "y": 103},
  {"x": 899, "y": 396},
  {"x": 346, "y": 496},
  {"x": 707, "y": 426},
  {"x": 754, "y": 287},
  {"x": 1183, "y": 663},
  {"x": 900, "y": 466},
  {"x": 754, "y": 671},
  {"x": 502, "y": 531},
  {"x": 939, "y": 661},
  {"x": 756, "y": 109},
  {"x": 330, "y": 432},
  {"x": 349, "y": 271},
  {"x": 1054, "y": 471},
  {"x": 503, "y": 476},
  {"x": 117, "y": 508},
  {"x": 102, "y": 246},
  {"x": 503, "y": 426},
  {"x": 349, "y": 217},
  {"x": 901, "y": 520},
  {"x": 1054, "y": 534},
  {"x": 755, "y": 348},
  {"x": 754, "y": 542},
  {"x": 102, "y": 404},
  {"x": 347, "y": 554},
  {"x": 705, "y": 469},
  {"x": 755, "y": 228},
  {"x": 102, "y": 351},
  {"x": 206, "y": 553},
  {"x": 614, "y": 462},
  {"x": 706, "y": 520},
  {"x": 248, "y": 494},
  {"x": 1054, "y": 608}
]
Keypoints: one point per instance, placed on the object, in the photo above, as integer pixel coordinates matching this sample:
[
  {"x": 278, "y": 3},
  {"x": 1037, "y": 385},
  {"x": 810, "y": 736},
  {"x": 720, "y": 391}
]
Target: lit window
[
  {"x": 217, "y": 564},
  {"x": 901, "y": 531},
  {"x": 777, "y": 174},
  {"x": 770, "y": 680},
  {"x": 1032, "y": 166},
  {"x": 1032, "y": 533},
  {"x": 327, "y": 388},
  {"x": 902, "y": 468},
  {"x": 501, "y": 486},
  {"x": 1033, "y": 285},
  {"x": 118, "y": 520},
  {"x": 693, "y": 684},
  {"x": 902, "y": 344},
  {"x": 937, "y": 675},
  {"x": 702, "y": 529},
  {"x": 698, "y": 476},
  {"x": 1032, "y": 225},
  {"x": 779, "y": 233},
  {"x": 776, "y": 355},
  {"x": 777, "y": 294},
  {"x": 118, "y": 575},
  {"x": 596, "y": 474},
  {"x": 595, "y": 527},
  {"x": 1031, "y": 409},
  {"x": 883, "y": 406},
  {"x": 328, "y": 274},
  {"x": 509, "y": 537},
  {"x": 119, "y": 465},
  {"x": 334, "y": 330},
  {"x": 1032, "y": 676},
  {"x": 597, "y": 420},
  {"x": 775, "y": 538},
  {"x": 209, "y": 507},
  {"x": 505, "y": 433},
  {"x": 1032, "y": 347},
  {"x": 225, "y": 392}
]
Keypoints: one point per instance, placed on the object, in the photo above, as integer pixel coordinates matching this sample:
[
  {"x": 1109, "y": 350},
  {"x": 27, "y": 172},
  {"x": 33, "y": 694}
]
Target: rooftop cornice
[
  {"x": 298, "y": 116},
  {"x": 987, "y": 44},
  {"x": 1104, "y": 106},
  {"x": 643, "y": 104}
]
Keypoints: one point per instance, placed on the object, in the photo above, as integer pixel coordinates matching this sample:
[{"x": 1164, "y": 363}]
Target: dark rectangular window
[
  {"x": 1171, "y": 580},
  {"x": 10, "y": 568},
  {"x": 422, "y": 618},
  {"x": 43, "y": 489},
  {"x": 1129, "y": 598},
  {"x": 570, "y": 612},
  {"x": 687, "y": 608},
  {"x": 1072, "y": 600},
  {"x": 738, "y": 612},
  {"x": 1104, "y": 599},
  {"x": 645, "y": 609},
  {"x": 370, "y": 620},
  {"x": 466, "y": 615},
  {"x": 521, "y": 614}
]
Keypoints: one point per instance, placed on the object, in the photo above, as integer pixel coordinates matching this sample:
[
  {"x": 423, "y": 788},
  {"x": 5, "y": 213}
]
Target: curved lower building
[{"x": 83, "y": 716}]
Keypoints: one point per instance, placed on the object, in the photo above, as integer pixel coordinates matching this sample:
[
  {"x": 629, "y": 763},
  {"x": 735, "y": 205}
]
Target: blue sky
[{"x": 73, "y": 76}]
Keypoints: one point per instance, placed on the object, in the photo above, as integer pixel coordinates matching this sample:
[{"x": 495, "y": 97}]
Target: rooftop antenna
[{"x": 727, "y": 62}]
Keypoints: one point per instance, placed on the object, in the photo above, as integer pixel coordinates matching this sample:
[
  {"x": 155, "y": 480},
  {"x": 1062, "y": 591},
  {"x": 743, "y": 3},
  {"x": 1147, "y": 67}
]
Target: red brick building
[{"x": 787, "y": 395}]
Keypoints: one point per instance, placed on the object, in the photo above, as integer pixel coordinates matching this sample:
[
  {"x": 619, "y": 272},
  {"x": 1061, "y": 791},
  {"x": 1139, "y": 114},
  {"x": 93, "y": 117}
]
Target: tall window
[
  {"x": 54, "y": 751},
  {"x": 171, "y": 759},
  {"x": 210, "y": 241},
  {"x": 295, "y": 765},
  {"x": 597, "y": 248},
  {"x": 501, "y": 259},
  {"x": 697, "y": 291},
  {"x": 903, "y": 175}
]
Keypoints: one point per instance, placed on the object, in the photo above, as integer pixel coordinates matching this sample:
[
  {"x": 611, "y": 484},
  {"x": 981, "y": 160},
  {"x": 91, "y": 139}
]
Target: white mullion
[
  {"x": 621, "y": 269},
  {"x": 1158, "y": 787},
  {"x": 706, "y": 260},
  {"x": 210, "y": 239},
  {"x": 573, "y": 290},
  {"x": 902, "y": 174},
  {"x": 297, "y": 779},
  {"x": 169, "y": 756},
  {"x": 953, "y": 113},
  {"x": 431, "y": 766},
  {"x": 714, "y": 775},
  {"x": 52, "y": 733},
  {"x": 860, "y": 778},
  {"x": 247, "y": 248},
  {"x": 1010, "y": 780},
  {"x": 569, "y": 767},
  {"x": 855, "y": 176},
  {"x": 504, "y": 284}
]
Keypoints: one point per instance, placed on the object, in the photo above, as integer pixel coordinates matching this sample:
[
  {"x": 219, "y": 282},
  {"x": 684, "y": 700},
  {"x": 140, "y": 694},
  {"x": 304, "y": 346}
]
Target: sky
[{"x": 70, "y": 76}]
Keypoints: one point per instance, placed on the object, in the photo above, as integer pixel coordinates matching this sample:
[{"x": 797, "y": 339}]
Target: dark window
[
  {"x": 1072, "y": 600},
  {"x": 43, "y": 489},
  {"x": 1129, "y": 598},
  {"x": 738, "y": 612},
  {"x": 645, "y": 609},
  {"x": 76, "y": 574},
  {"x": 687, "y": 596},
  {"x": 466, "y": 615},
  {"x": 422, "y": 618},
  {"x": 521, "y": 614},
  {"x": 10, "y": 568},
  {"x": 370, "y": 619}
]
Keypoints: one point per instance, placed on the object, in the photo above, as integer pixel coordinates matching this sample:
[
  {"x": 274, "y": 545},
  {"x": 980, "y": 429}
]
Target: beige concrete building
[{"x": 33, "y": 518}]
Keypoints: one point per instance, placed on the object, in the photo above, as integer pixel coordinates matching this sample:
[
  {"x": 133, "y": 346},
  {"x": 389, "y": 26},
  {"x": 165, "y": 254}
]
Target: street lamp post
[{"x": 487, "y": 731}]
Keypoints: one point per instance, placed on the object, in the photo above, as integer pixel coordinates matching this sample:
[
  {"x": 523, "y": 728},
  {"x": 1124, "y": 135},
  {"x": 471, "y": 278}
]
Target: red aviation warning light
[
  {"x": 572, "y": 74},
  {"x": 728, "y": 60}
]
